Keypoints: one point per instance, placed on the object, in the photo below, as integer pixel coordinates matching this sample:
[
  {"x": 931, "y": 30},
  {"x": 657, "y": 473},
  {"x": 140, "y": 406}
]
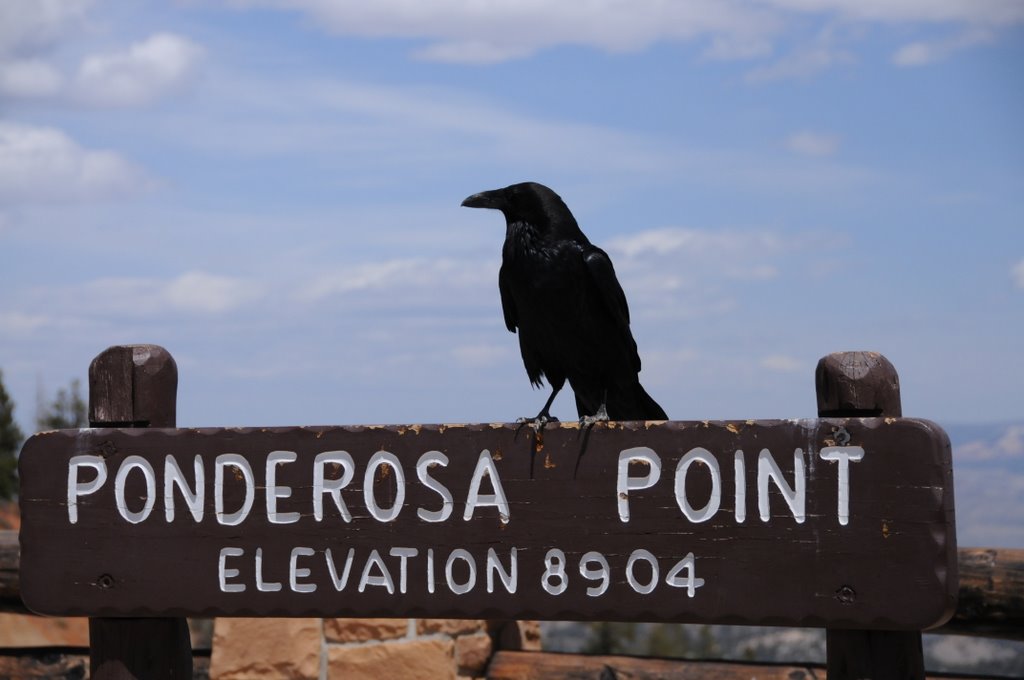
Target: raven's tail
[{"x": 626, "y": 402}]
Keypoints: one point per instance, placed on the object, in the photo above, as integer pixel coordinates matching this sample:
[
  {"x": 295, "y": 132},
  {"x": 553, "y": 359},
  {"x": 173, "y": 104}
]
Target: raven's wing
[
  {"x": 602, "y": 275},
  {"x": 508, "y": 304}
]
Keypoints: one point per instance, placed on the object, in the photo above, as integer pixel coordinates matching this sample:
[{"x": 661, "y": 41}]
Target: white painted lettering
[
  {"x": 339, "y": 583},
  {"x": 554, "y": 570},
  {"x": 224, "y": 573},
  {"x": 449, "y": 569},
  {"x": 322, "y": 485},
  {"x": 634, "y": 583},
  {"x": 135, "y": 463},
  {"x": 843, "y": 455},
  {"x": 624, "y": 483},
  {"x": 275, "y": 491},
  {"x": 510, "y": 578},
  {"x": 379, "y": 459},
  {"x": 423, "y": 465},
  {"x": 383, "y": 579},
  {"x": 240, "y": 464},
  {"x": 795, "y": 496},
  {"x": 295, "y": 572},
  {"x": 602, "y": 573},
  {"x": 174, "y": 477},
  {"x": 430, "y": 570},
  {"x": 698, "y": 455},
  {"x": 690, "y": 580},
  {"x": 403, "y": 555},
  {"x": 77, "y": 488},
  {"x": 741, "y": 487},
  {"x": 485, "y": 466},
  {"x": 261, "y": 585}
]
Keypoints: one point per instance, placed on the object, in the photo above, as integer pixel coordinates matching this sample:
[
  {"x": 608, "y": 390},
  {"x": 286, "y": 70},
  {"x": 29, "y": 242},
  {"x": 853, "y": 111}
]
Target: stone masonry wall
[{"x": 320, "y": 649}]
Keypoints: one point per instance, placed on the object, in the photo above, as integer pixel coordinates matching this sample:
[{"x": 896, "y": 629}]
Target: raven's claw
[
  {"x": 536, "y": 424},
  {"x": 600, "y": 417}
]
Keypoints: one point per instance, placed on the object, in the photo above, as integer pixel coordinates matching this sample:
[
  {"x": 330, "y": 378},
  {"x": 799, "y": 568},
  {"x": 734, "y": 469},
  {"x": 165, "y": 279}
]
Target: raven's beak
[{"x": 486, "y": 199}]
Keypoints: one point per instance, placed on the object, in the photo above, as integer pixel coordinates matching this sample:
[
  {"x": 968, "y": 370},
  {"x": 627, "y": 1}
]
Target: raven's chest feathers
[
  {"x": 550, "y": 299},
  {"x": 546, "y": 278}
]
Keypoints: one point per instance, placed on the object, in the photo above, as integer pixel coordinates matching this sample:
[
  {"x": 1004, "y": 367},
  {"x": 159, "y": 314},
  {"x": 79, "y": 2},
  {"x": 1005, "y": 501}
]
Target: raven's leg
[
  {"x": 537, "y": 424},
  {"x": 544, "y": 416}
]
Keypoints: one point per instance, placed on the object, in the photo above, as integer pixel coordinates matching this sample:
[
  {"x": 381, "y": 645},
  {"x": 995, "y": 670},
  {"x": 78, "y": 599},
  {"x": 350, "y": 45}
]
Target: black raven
[{"x": 560, "y": 292}]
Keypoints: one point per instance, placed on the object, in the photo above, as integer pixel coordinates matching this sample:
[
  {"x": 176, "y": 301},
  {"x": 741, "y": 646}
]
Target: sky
[{"x": 270, "y": 189}]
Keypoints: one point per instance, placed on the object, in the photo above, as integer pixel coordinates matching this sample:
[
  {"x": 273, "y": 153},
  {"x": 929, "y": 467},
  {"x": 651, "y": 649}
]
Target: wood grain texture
[
  {"x": 133, "y": 386},
  {"x": 857, "y": 384}
]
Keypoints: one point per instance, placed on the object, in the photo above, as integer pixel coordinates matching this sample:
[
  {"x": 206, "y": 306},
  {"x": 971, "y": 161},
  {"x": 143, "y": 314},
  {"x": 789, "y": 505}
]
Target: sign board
[{"x": 837, "y": 522}]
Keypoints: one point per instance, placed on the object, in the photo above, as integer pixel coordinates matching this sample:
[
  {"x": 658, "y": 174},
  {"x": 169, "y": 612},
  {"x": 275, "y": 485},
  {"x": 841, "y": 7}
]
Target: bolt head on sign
[{"x": 833, "y": 522}]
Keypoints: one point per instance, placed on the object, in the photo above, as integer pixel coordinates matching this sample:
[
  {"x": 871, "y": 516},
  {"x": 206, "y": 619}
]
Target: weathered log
[
  {"x": 65, "y": 662},
  {"x": 10, "y": 580},
  {"x": 991, "y": 594},
  {"x": 509, "y": 665}
]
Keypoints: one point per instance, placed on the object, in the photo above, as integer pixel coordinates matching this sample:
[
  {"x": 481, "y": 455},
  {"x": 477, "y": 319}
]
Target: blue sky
[{"x": 271, "y": 191}]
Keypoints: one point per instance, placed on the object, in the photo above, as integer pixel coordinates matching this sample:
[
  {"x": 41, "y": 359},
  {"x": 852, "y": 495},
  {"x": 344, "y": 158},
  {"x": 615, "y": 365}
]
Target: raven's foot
[
  {"x": 600, "y": 417},
  {"x": 536, "y": 424}
]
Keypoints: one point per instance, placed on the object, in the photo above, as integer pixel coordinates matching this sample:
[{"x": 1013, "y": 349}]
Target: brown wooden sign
[{"x": 837, "y": 522}]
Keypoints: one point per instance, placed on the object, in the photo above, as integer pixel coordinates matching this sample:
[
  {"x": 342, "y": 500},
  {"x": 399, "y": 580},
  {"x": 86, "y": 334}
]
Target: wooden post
[
  {"x": 136, "y": 386},
  {"x": 865, "y": 384}
]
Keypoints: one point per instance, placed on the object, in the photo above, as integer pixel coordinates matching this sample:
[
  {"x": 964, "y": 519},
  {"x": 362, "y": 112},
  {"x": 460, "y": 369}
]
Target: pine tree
[
  {"x": 10, "y": 441},
  {"x": 66, "y": 411}
]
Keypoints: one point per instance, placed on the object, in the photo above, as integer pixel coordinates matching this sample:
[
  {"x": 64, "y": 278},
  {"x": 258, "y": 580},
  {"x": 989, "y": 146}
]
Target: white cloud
[
  {"x": 782, "y": 364},
  {"x": 696, "y": 242},
  {"x": 990, "y": 12},
  {"x": 924, "y": 53},
  {"x": 209, "y": 293},
  {"x": 191, "y": 292},
  {"x": 20, "y": 323},
  {"x": 482, "y": 354},
  {"x": 29, "y": 78},
  {"x": 1010, "y": 445},
  {"x": 139, "y": 74},
  {"x": 30, "y": 25},
  {"x": 803, "y": 63},
  {"x": 684, "y": 273},
  {"x": 402, "y": 281},
  {"x": 41, "y": 164},
  {"x": 471, "y": 32},
  {"x": 1017, "y": 273},
  {"x": 809, "y": 143},
  {"x": 467, "y": 31}
]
